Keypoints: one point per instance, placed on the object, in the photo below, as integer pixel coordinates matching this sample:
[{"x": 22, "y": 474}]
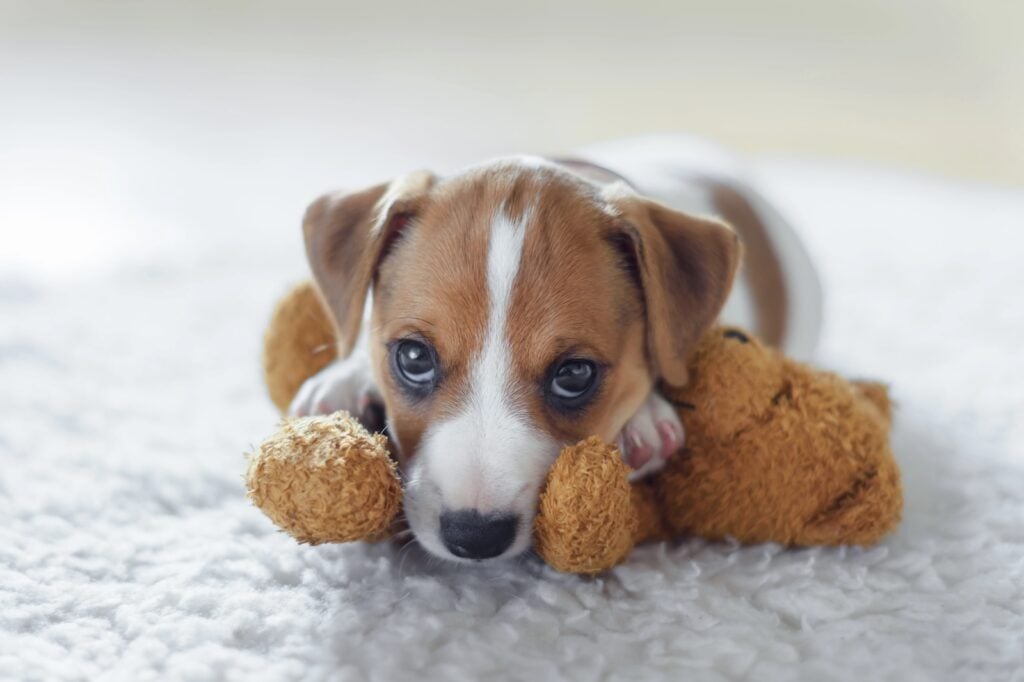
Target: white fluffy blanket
[{"x": 129, "y": 392}]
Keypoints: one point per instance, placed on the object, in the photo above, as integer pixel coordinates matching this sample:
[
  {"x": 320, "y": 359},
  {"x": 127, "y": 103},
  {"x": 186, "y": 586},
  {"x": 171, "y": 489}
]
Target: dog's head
[{"x": 516, "y": 308}]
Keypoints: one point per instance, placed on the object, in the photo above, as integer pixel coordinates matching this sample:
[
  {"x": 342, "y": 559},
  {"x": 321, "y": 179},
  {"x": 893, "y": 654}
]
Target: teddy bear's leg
[
  {"x": 869, "y": 509},
  {"x": 871, "y": 503},
  {"x": 298, "y": 343},
  {"x": 586, "y": 519}
]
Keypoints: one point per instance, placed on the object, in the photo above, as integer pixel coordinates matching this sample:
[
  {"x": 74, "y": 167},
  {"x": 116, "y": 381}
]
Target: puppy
[{"x": 511, "y": 309}]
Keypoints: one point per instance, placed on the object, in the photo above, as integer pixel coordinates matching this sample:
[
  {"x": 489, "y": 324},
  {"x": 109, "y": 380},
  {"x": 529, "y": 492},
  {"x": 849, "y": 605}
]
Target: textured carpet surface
[{"x": 128, "y": 394}]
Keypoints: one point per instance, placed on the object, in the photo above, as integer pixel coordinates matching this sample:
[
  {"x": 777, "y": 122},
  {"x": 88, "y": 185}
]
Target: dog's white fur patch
[{"x": 488, "y": 457}]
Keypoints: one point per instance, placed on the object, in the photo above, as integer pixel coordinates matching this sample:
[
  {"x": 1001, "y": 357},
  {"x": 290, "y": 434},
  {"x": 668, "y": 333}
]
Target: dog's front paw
[
  {"x": 342, "y": 385},
  {"x": 651, "y": 436}
]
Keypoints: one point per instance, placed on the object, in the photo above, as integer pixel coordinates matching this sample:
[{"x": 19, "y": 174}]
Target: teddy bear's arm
[
  {"x": 325, "y": 479},
  {"x": 586, "y": 520}
]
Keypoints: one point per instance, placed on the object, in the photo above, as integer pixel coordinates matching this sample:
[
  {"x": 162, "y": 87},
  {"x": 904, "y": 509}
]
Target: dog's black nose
[{"x": 468, "y": 534}]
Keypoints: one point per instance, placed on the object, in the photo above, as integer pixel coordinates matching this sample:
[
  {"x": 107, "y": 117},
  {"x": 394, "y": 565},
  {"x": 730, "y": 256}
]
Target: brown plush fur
[
  {"x": 298, "y": 343},
  {"x": 589, "y": 532},
  {"x": 776, "y": 451},
  {"x": 325, "y": 479}
]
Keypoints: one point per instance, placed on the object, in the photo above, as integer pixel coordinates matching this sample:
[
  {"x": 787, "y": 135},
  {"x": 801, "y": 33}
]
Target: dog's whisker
[
  {"x": 403, "y": 536},
  {"x": 403, "y": 554}
]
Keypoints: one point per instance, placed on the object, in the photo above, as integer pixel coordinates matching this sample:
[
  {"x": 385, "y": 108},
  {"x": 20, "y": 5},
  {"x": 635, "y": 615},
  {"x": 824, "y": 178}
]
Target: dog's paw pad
[{"x": 651, "y": 437}]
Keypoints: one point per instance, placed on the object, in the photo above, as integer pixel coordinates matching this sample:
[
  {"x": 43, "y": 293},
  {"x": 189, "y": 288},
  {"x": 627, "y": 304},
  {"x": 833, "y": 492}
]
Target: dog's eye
[
  {"x": 415, "y": 365},
  {"x": 572, "y": 382}
]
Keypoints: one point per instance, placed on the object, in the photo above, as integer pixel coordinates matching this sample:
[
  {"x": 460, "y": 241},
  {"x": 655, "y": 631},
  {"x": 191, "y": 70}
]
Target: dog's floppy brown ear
[
  {"x": 685, "y": 266},
  {"x": 347, "y": 236}
]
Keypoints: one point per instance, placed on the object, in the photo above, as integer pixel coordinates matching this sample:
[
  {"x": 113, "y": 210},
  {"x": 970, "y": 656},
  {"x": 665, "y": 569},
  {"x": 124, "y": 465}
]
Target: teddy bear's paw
[
  {"x": 651, "y": 436},
  {"x": 326, "y": 479},
  {"x": 586, "y": 521}
]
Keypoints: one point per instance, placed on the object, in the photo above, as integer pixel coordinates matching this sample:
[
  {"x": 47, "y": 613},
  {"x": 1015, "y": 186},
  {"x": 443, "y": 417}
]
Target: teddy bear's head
[{"x": 734, "y": 380}]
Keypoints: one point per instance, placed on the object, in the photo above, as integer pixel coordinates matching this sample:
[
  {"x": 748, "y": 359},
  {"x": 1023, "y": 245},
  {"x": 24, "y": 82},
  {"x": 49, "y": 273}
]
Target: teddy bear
[{"x": 776, "y": 451}]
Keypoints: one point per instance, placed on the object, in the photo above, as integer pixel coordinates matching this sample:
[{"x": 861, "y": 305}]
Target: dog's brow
[
  {"x": 405, "y": 318},
  {"x": 415, "y": 326},
  {"x": 565, "y": 346}
]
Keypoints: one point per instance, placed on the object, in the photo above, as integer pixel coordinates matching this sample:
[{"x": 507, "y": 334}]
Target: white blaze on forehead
[
  {"x": 490, "y": 456},
  {"x": 504, "y": 253}
]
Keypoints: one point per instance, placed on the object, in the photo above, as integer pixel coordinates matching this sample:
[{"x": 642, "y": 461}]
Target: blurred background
[{"x": 128, "y": 127}]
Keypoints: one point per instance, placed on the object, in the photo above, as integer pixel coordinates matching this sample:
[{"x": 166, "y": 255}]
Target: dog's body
[{"x": 519, "y": 306}]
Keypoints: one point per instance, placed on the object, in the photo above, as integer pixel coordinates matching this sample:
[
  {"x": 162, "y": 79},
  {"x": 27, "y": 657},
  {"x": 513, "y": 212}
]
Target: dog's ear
[
  {"x": 348, "y": 235},
  {"x": 685, "y": 266}
]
